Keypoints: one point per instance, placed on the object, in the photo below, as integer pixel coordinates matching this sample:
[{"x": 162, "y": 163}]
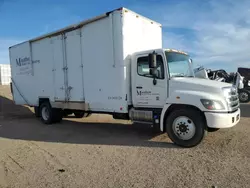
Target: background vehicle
[
  {"x": 244, "y": 93},
  {"x": 241, "y": 78},
  {"x": 115, "y": 64}
]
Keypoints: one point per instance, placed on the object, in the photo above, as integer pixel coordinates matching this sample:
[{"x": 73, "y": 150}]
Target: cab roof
[{"x": 178, "y": 51}]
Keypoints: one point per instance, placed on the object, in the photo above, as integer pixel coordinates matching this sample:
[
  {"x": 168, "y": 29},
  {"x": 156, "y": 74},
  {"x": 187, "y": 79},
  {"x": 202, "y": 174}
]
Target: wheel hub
[
  {"x": 45, "y": 113},
  {"x": 183, "y": 128}
]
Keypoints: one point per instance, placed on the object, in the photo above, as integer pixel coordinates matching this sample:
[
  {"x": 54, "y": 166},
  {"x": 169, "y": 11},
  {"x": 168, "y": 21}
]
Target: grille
[{"x": 233, "y": 99}]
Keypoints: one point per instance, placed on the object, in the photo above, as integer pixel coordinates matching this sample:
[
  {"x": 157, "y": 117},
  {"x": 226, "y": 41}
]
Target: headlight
[{"x": 212, "y": 105}]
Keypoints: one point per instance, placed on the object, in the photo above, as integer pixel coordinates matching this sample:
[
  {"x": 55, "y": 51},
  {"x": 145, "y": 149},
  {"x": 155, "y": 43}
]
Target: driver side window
[{"x": 144, "y": 70}]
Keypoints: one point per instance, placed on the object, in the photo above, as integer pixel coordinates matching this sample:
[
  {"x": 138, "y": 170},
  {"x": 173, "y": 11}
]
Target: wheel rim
[
  {"x": 45, "y": 113},
  {"x": 183, "y": 127},
  {"x": 243, "y": 96}
]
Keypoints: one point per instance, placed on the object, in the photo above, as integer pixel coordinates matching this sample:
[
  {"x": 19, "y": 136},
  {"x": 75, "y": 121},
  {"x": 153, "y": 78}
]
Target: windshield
[{"x": 179, "y": 65}]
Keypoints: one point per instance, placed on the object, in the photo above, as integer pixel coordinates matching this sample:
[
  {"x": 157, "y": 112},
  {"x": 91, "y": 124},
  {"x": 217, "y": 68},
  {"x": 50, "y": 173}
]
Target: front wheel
[{"x": 186, "y": 127}]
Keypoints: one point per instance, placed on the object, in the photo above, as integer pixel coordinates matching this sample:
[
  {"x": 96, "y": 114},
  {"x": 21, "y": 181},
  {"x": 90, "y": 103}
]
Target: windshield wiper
[
  {"x": 178, "y": 76},
  {"x": 183, "y": 76}
]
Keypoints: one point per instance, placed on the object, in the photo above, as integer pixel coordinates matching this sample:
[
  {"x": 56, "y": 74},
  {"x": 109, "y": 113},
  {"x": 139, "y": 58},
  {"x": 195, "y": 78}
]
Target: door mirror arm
[
  {"x": 154, "y": 81},
  {"x": 153, "y": 72}
]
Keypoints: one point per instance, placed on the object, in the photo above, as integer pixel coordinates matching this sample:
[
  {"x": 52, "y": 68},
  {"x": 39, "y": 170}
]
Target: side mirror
[
  {"x": 153, "y": 72},
  {"x": 152, "y": 60}
]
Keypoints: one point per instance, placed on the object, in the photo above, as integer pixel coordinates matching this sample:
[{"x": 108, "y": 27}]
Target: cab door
[{"x": 149, "y": 91}]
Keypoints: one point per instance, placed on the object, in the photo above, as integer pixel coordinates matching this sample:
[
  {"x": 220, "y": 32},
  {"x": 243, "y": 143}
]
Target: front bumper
[{"x": 222, "y": 120}]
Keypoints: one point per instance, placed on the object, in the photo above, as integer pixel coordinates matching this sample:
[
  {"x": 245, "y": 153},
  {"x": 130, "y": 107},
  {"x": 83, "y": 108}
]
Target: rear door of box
[
  {"x": 68, "y": 68},
  {"x": 74, "y": 65},
  {"x": 58, "y": 68}
]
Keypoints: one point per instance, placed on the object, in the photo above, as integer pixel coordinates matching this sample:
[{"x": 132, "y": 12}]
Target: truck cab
[{"x": 165, "y": 88}]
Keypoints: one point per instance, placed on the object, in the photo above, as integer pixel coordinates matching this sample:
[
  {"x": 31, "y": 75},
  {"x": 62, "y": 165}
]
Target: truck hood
[{"x": 197, "y": 84}]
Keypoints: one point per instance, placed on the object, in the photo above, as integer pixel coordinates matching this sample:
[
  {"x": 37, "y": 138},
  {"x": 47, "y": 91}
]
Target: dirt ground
[{"x": 102, "y": 152}]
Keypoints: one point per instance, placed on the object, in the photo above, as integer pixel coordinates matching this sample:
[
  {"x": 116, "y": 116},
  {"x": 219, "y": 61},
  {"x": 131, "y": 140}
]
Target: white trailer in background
[
  {"x": 5, "y": 74},
  {"x": 115, "y": 64}
]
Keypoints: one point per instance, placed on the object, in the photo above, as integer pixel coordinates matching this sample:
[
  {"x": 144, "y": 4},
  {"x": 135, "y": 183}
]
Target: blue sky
[{"x": 216, "y": 33}]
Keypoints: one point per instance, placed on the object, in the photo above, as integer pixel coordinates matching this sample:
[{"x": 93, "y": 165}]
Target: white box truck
[{"x": 115, "y": 64}]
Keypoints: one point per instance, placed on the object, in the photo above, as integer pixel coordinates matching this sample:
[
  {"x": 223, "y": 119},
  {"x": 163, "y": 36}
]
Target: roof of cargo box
[{"x": 82, "y": 23}]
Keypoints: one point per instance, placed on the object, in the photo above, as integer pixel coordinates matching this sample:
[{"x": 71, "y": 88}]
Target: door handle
[{"x": 139, "y": 87}]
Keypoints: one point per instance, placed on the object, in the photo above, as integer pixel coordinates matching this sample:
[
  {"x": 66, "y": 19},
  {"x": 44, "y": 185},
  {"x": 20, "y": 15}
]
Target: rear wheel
[
  {"x": 46, "y": 113},
  {"x": 186, "y": 127},
  {"x": 50, "y": 115}
]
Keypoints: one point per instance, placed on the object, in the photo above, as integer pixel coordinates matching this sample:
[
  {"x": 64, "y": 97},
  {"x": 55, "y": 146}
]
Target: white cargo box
[
  {"x": 5, "y": 75},
  {"x": 84, "y": 66}
]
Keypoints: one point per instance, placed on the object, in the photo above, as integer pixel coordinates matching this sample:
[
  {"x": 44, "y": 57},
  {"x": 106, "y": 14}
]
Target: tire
[
  {"x": 193, "y": 127},
  {"x": 244, "y": 96},
  {"x": 46, "y": 113},
  {"x": 37, "y": 112},
  {"x": 50, "y": 115}
]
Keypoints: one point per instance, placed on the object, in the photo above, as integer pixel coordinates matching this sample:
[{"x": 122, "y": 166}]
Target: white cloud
[{"x": 216, "y": 32}]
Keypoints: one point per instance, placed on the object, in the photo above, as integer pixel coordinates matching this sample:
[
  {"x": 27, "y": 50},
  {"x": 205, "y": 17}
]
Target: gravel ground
[{"x": 102, "y": 152}]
